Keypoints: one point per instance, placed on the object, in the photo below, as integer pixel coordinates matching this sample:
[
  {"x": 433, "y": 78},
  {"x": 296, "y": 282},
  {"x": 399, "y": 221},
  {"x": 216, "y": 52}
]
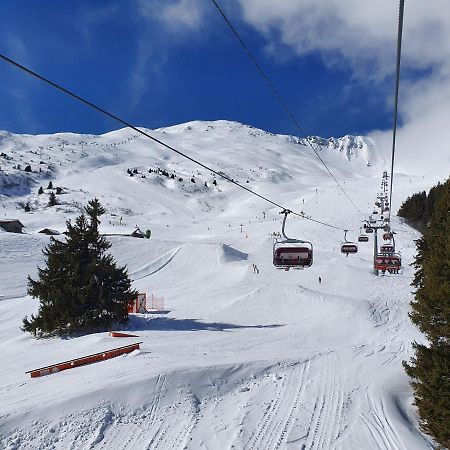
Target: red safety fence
[
  {"x": 120, "y": 334},
  {"x": 96, "y": 357}
]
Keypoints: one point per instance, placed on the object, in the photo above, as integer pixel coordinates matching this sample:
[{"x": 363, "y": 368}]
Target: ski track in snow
[
  {"x": 379, "y": 426},
  {"x": 274, "y": 423},
  {"x": 241, "y": 361}
]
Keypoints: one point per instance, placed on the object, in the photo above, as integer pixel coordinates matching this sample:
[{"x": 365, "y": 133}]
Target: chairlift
[
  {"x": 387, "y": 236},
  {"x": 391, "y": 263},
  {"x": 375, "y": 211},
  {"x": 387, "y": 248},
  {"x": 369, "y": 230},
  {"x": 362, "y": 237},
  {"x": 291, "y": 253},
  {"x": 386, "y": 228},
  {"x": 348, "y": 247}
]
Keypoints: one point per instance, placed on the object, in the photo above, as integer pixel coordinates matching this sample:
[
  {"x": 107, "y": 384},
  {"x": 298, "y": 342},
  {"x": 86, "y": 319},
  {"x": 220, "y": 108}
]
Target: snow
[{"x": 272, "y": 360}]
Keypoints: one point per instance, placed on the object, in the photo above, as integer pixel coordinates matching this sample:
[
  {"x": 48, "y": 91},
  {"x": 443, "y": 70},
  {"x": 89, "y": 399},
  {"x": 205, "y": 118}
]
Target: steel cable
[
  {"x": 280, "y": 99},
  {"x": 124, "y": 122},
  {"x": 397, "y": 86}
]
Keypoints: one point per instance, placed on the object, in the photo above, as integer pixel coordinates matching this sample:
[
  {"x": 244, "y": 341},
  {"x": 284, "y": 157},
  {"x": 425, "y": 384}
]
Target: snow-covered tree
[{"x": 81, "y": 289}]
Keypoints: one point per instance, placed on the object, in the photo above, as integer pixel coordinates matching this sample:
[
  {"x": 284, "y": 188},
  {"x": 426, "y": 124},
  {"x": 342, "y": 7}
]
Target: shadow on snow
[{"x": 140, "y": 323}]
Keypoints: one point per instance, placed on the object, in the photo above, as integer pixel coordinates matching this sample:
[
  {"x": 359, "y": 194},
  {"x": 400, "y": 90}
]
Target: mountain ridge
[{"x": 50, "y": 156}]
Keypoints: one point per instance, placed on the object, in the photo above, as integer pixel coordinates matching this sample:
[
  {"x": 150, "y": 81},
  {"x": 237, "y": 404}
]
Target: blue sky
[{"x": 157, "y": 72}]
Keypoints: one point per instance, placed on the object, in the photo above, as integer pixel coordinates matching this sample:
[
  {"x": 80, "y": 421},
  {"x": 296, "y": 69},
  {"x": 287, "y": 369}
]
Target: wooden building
[{"x": 11, "y": 225}]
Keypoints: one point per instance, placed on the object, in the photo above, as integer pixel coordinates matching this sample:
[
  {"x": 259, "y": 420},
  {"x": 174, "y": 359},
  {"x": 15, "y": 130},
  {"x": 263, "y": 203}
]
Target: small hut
[
  {"x": 138, "y": 304},
  {"x": 11, "y": 225},
  {"x": 49, "y": 232},
  {"x": 138, "y": 233}
]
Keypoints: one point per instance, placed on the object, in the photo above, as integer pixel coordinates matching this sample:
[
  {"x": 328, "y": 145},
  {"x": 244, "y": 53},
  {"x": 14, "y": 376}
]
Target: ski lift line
[
  {"x": 316, "y": 221},
  {"x": 280, "y": 99},
  {"x": 127, "y": 124},
  {"x": 397, "y": 85}
]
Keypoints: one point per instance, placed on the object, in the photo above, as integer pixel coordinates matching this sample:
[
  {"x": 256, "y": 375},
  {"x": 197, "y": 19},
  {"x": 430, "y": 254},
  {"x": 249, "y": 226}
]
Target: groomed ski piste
[{"x": 242, "y": 360}]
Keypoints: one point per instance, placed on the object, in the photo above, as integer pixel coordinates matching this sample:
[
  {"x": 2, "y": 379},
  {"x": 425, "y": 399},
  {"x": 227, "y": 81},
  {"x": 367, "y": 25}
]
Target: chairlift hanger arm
[{"x": 285, "y": 212}]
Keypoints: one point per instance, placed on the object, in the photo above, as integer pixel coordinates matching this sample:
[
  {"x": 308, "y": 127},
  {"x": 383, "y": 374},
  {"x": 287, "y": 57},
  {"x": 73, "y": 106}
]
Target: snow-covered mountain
[
  {"x": 243, "y": 360},
  {"x": 236, "y": 147}
]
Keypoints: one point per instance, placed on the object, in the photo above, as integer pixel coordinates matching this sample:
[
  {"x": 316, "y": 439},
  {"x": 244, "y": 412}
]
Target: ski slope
[{"x": 273, "y": 360}]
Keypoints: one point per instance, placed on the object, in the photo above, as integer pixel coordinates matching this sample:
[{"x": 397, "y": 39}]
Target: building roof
[
  {"x": 12, "y": 221},
  {"x": 137, "y": 233},
  {"x": 49, "y": 231}
]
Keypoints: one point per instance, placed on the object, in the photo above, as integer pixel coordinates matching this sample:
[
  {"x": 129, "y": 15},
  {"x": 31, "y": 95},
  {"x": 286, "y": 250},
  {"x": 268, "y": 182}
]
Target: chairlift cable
[
  {"x": 127, "y": 124},
  {"x": 397, "y": 85},
  {"x": 280, "y": 99}
]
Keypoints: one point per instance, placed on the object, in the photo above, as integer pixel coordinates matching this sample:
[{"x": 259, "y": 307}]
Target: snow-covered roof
[
  {"x": 5, "y": 221},
  {"x": 12, "y": 221},
  {"x": 49, "y": 231}
]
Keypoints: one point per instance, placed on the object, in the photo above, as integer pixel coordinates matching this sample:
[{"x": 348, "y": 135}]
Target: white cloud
[
  {"x": 423, "y": 141},
  {"x": 147, "y": 69},
  {"x": 17, "y": 49},
  {"x": 164, "y": 24},
  {"x": 359, "y": 31},
  {"x": 89, "y": 18},
  {"x": 18, "y": 87},
  {"x": 177, "y": 16},
  {"x": 361, "y": 35}
]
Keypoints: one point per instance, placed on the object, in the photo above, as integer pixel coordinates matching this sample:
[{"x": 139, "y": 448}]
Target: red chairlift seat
[
  {"x": 286, "y": 255},
  {"x": 391, "y": 263},
  {"x": 349, "y": 247},
  {"x": 387, "y": 236},
  {"x": 386, "y": 228},
  {"x": 387, "y": 248}
]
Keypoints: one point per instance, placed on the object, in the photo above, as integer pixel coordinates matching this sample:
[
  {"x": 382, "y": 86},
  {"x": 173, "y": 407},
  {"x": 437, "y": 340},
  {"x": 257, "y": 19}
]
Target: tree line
[
  {"x": 430, "y": 365},
  {"x": 418, "y": 209}
]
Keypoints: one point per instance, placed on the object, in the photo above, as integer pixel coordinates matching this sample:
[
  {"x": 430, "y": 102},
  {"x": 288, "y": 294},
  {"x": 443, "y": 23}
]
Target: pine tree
[
  {"x": 430, "y": 367},
  {"x": 52, "y": 199},
  {"x": 50, "y": 185},
  {"x": 41, "y": 190},
  {"x": 418, "y": 208},
  {"x": 413, "y": 210},
  {"x": 27, "y": 207},
  {"x": 81, "y": 289}
]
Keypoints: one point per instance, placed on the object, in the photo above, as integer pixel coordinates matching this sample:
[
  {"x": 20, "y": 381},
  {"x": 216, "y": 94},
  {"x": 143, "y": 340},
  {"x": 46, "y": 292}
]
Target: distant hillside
[{"x": 124, "y": 163}]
